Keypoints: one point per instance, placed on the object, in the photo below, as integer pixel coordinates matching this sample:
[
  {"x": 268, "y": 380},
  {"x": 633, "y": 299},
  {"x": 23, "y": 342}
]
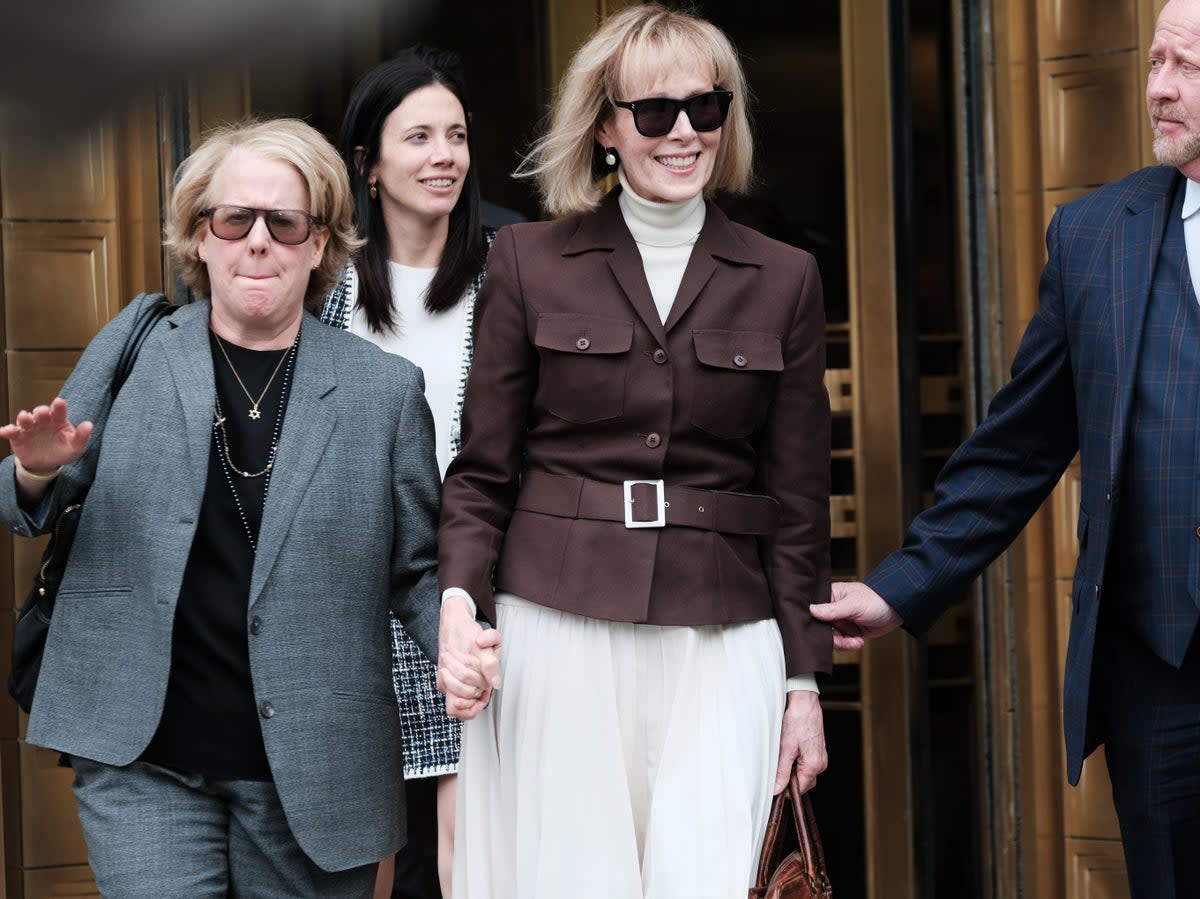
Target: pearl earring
[
  {"x": 610, "y": 158},
  {"x": 373, "y": 192}
]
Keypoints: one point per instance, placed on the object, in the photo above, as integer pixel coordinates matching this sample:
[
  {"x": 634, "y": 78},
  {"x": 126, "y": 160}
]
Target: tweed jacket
[
  {"x": 1072, "y": 390},
  {"x": 576, "y": 375},
  {"x": 336, "y": 550}
]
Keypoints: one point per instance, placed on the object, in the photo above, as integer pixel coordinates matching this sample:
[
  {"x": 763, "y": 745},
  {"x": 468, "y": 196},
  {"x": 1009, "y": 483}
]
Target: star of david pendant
[{"x": 254, "y": 413}]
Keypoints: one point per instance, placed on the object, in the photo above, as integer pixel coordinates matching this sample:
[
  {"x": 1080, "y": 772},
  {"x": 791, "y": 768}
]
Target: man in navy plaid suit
[{"x": 1109, "y": 367}]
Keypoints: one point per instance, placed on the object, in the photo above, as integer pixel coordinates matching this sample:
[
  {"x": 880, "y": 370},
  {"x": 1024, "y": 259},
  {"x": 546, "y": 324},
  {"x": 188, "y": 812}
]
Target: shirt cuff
[
  {"x": 801, "y": 682},
  {"x": 459, "y": 591}
]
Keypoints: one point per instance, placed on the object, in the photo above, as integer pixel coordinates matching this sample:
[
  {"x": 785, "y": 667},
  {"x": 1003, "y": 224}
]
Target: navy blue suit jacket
[{"x": 1071, "y": 391}]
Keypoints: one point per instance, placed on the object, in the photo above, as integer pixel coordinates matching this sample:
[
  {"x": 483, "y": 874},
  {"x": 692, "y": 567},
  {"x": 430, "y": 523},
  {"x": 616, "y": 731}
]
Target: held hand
[
  {"x": 468, "y": 660},
  {"x": 857, "y": 614},
  {"x": 44, "y": 439},
  {"x": 801, "y": 742},
  {"x": 465, "y": 702}
]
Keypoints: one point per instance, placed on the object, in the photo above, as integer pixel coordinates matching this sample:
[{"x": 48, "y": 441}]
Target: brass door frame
[
  {"x": 1003, "y": 796},
  {"x": 887, "y": 664}
]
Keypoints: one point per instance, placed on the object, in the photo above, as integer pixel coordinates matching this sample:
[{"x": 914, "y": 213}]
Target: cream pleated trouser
[{"x": 619, "y": 761}]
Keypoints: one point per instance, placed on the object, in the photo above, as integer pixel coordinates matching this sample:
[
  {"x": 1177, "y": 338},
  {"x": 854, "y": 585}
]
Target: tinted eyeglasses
[
  {"x": 656, "y": 116},
  {"x": 289, "y": 226}
]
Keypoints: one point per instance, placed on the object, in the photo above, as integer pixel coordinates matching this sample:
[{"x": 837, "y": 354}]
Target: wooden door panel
[
  {"x": 67, "y": 174},
  {"x": 1073, "y": 27},
  {"x": 50, "y": 832},
  {"x": 1088, "y": 809},
  {"x": 74, "y": 882},
  {"x": 61, "y": 282},
  {"x": 1091, "y": 118},
  {"x": 1097, "y": 870}
]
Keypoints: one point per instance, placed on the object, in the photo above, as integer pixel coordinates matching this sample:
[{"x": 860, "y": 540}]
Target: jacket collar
[
  {"x": 1155, "y": 187},
  {"x": 604, "y": 230},
  {"x": 307, "y": 423},
  {"x": 1137, "y": 237},
  {"x": 307, "y": 427}
]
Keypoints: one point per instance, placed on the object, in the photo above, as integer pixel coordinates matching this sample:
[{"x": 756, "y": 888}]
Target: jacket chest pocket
[
  {"x": 584, "y": 364},
  {"x": 734, "y": 380}
]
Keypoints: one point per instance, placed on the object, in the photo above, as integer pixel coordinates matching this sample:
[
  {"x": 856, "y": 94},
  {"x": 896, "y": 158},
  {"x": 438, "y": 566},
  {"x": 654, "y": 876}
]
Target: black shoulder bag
[{"x": 33, "y": 624}]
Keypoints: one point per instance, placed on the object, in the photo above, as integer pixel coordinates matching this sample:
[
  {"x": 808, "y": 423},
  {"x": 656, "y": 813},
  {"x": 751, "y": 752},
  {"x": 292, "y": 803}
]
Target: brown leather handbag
[{"x": 792, "y": 864}]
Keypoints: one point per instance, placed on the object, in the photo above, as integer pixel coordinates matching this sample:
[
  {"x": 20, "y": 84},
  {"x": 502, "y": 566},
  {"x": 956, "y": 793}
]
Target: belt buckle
[{"x": 660, "y": 520}]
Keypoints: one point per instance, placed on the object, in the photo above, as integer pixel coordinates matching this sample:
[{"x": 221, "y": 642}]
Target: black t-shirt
[{"x": 210, "y": 723}]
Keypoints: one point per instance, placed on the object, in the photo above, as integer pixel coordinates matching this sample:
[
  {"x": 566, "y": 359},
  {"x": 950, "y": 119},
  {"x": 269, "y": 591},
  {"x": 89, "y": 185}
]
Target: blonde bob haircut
[
  {"x": 628, "y": 52},
  {"x": 285, "y": 140}
]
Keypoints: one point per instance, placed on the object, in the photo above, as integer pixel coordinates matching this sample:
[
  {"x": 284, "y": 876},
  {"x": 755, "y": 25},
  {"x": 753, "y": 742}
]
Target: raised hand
[
  {"x": 44, "y": 440},
  {"x": 857, "y": 614}
]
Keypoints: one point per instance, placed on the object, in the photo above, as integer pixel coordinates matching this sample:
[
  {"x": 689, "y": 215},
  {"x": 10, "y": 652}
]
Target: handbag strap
[
  {"x": 774, "y": 847},
  {"x": 149, "y": 316},
  {"x": 806, "y": 843},
  {"x": 808, "y": 836}
]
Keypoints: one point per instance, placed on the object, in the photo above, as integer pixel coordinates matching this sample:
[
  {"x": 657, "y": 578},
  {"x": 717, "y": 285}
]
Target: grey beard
[{"x": 1177, "y": 151}]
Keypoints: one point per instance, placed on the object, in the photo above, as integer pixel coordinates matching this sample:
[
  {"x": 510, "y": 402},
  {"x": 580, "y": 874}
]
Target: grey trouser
[{"x": 155, "y": 833}]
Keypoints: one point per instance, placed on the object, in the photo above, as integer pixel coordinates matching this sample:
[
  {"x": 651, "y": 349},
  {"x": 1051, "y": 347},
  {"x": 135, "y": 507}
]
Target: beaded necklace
[{"x": 223, "y": 454}]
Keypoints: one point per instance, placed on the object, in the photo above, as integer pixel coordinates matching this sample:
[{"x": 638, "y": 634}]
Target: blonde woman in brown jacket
[{"x": 641, "y": 501}]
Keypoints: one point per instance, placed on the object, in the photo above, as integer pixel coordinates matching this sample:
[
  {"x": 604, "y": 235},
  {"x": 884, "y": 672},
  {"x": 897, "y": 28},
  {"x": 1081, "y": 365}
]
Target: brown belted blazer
[{"x": 577, "y": 386}]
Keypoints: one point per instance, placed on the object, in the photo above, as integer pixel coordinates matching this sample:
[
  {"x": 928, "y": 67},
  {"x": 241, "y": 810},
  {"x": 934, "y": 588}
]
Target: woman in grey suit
[{"x": 218, "y": 667}]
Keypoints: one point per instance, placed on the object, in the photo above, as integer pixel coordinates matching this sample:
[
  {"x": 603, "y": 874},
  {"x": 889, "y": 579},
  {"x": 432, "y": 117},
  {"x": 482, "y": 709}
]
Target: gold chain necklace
[
  {"x": 253, "y": 413},
  {"x": 219, "y": 425}
]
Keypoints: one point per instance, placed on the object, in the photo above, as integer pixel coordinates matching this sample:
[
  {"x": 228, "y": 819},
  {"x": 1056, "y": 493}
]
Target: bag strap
[
  {"x": 804, "y": 840},
  {"x": 774, "y": 848},
  {"x": 146, "y": 320},
  {"x": 809, "y": 838}
]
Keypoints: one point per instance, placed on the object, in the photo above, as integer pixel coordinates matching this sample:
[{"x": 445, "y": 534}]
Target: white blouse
[{"x": 431, "y": 341}]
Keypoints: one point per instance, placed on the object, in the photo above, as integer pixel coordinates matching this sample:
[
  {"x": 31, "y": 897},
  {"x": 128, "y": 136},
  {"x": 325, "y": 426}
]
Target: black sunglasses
[
  {"x": 289, "y": 226},
  {"x": 656, "y": 116}
]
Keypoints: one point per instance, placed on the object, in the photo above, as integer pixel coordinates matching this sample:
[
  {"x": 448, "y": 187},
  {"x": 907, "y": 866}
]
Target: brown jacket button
[
  {"x": 660, "y": 355},
  {"x": 653, "y": 440},
  {"x": 582, "y": 343},
  {"x": 739, "y": 360}
]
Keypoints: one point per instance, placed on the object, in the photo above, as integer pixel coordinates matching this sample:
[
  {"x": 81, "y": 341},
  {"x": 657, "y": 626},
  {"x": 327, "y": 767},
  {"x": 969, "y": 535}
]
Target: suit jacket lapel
[
  {"x": 1137, "y": 238},
  {"x": 307, "y": 424},
  {"x": 190, "y": 362},
  {"x": 605, "y": 230},
  {"x": 717, "y": 241}
]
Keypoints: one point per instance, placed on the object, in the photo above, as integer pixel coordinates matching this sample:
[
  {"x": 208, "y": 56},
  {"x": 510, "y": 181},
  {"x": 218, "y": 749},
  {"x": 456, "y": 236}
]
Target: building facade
[{"x": 918, "y": 149}]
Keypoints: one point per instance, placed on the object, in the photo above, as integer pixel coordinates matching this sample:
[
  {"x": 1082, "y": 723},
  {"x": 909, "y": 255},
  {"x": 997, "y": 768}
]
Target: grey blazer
[{"x": 347, "y": 532}]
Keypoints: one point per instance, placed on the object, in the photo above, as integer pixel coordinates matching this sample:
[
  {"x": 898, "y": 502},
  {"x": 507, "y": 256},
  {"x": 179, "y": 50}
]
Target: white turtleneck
[{"x": 665, "y": 234}]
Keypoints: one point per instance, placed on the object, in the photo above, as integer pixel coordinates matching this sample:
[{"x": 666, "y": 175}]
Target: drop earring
[
  {"x": 373, "y": 193},
  {"x": 610, "y": 158}
]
